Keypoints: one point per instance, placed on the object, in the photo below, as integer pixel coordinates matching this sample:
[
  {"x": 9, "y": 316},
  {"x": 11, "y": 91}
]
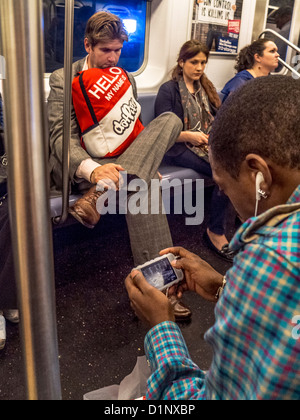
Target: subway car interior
[{"x": 77, "y": 331}]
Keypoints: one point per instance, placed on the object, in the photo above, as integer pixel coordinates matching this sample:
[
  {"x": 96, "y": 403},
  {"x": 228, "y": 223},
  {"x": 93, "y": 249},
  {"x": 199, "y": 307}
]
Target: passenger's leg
[
  {"x": 144, "y": 156},
  {"x": 188, "y": 159},
  {"x": 8, "y": 295},
  {"x": 141, "y": 159},
  {"x": 149, "y": 233},
  {"x": 218, "y": 211},
  {"x": 219, "y": 201}
]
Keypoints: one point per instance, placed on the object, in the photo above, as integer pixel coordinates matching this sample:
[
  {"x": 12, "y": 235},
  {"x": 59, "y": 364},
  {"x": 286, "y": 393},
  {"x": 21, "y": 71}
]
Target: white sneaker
[
  {"x": 2, "y": 332},
  {"x": 12, "y": 315}
]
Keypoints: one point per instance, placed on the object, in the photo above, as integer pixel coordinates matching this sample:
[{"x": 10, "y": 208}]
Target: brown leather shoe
[
  {"x": 85, "y": 211},
  {"x": 181, "y": 312}
]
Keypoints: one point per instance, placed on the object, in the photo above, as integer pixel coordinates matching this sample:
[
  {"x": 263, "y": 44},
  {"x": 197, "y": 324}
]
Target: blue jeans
[{"x": 219, "y": 201}]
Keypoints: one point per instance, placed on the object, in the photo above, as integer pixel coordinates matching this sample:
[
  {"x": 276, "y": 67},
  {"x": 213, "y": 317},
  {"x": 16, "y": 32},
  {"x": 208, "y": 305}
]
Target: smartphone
[{"x": 160, "y": 273}]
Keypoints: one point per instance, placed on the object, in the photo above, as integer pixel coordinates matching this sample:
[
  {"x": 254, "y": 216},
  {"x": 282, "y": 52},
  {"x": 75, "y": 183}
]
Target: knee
[{"x": 172, "y": 119}]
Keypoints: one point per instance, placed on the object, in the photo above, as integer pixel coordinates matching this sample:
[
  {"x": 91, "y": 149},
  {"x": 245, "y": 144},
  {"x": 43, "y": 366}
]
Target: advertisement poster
[{"x": 217, "y": 24}]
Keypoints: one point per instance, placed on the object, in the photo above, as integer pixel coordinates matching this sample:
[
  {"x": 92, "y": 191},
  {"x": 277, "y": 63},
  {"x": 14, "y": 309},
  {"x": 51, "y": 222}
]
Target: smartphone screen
[{"x": 160, "y": 273}]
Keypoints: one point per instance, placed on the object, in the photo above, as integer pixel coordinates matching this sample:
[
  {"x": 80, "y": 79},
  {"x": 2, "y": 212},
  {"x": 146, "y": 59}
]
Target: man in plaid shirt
[{"x": 255, "y": 156}]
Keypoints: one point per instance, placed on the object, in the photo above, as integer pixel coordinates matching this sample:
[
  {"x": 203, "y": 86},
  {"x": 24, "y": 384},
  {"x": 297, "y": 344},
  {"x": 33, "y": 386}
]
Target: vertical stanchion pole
[
  {"x": 68, "y": 60},
  {"x": 28, "y": 185}
]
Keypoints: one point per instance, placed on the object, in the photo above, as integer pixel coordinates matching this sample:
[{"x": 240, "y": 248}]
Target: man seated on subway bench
[{"x": 149, "y": 233}]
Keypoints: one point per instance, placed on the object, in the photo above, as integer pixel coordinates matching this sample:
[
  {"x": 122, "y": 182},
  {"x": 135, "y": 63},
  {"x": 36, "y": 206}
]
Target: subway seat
[{"x": 187, "y": 176}]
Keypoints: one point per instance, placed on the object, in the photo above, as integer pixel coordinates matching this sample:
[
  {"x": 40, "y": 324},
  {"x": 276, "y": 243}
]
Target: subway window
[
  {"x": 132, "y": 12},
  {"x": 280, "y": 13}
]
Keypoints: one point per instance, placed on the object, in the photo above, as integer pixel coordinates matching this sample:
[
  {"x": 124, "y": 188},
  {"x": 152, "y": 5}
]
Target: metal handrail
[
  {"x": 68, "y": 59},
  {"x": 28, "y": 186},
  {"x": 288, "y": 43}
]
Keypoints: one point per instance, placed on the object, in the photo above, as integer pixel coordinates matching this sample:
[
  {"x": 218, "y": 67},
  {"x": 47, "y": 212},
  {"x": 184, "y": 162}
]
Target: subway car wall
[{"x": 157, "y": 29}]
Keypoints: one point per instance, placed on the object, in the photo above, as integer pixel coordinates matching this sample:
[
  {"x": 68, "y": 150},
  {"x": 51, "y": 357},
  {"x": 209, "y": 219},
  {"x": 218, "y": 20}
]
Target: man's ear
[
  {"x": 256, "y": 164},
  {"x": 87, "y": 46}
]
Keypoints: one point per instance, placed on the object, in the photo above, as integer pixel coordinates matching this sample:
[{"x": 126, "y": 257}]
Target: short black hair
[{"x": 261, "y": 117}]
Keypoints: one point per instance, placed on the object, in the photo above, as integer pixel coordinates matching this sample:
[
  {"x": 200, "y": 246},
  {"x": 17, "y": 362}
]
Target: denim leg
[
  {"x": 219, "y": 201},
  {"x": 218, "y": 208}
]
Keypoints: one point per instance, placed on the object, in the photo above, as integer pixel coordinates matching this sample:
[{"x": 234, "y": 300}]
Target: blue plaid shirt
[{"x": 255, "y": 340}]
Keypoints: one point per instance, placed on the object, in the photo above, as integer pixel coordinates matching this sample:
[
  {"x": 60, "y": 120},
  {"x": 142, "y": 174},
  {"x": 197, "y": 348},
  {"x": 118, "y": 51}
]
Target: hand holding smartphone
[{"x": 160, "y": 273}]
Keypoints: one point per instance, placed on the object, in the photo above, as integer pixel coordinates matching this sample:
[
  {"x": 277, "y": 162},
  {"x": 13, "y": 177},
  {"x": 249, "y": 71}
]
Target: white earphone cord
[{"x": 256, "y": 208}]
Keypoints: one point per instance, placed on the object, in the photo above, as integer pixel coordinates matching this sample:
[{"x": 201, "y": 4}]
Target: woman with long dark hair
[{"x": 194, "y": 99}]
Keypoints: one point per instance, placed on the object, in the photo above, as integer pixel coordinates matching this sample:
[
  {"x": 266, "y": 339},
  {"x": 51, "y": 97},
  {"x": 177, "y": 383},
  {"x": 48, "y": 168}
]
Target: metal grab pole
[
  {"x": 277, "y": 35},
  {"x": 68, "y": 59},
  {"x": 28, "y": 182}
]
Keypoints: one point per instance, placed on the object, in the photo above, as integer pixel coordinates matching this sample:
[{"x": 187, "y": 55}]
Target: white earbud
[{"x": 259, "y": 179}]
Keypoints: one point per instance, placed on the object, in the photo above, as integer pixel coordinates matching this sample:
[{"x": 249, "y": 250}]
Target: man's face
[
  {"x": 241, "y": 191},
  {"x": 105, "y": 54}
]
